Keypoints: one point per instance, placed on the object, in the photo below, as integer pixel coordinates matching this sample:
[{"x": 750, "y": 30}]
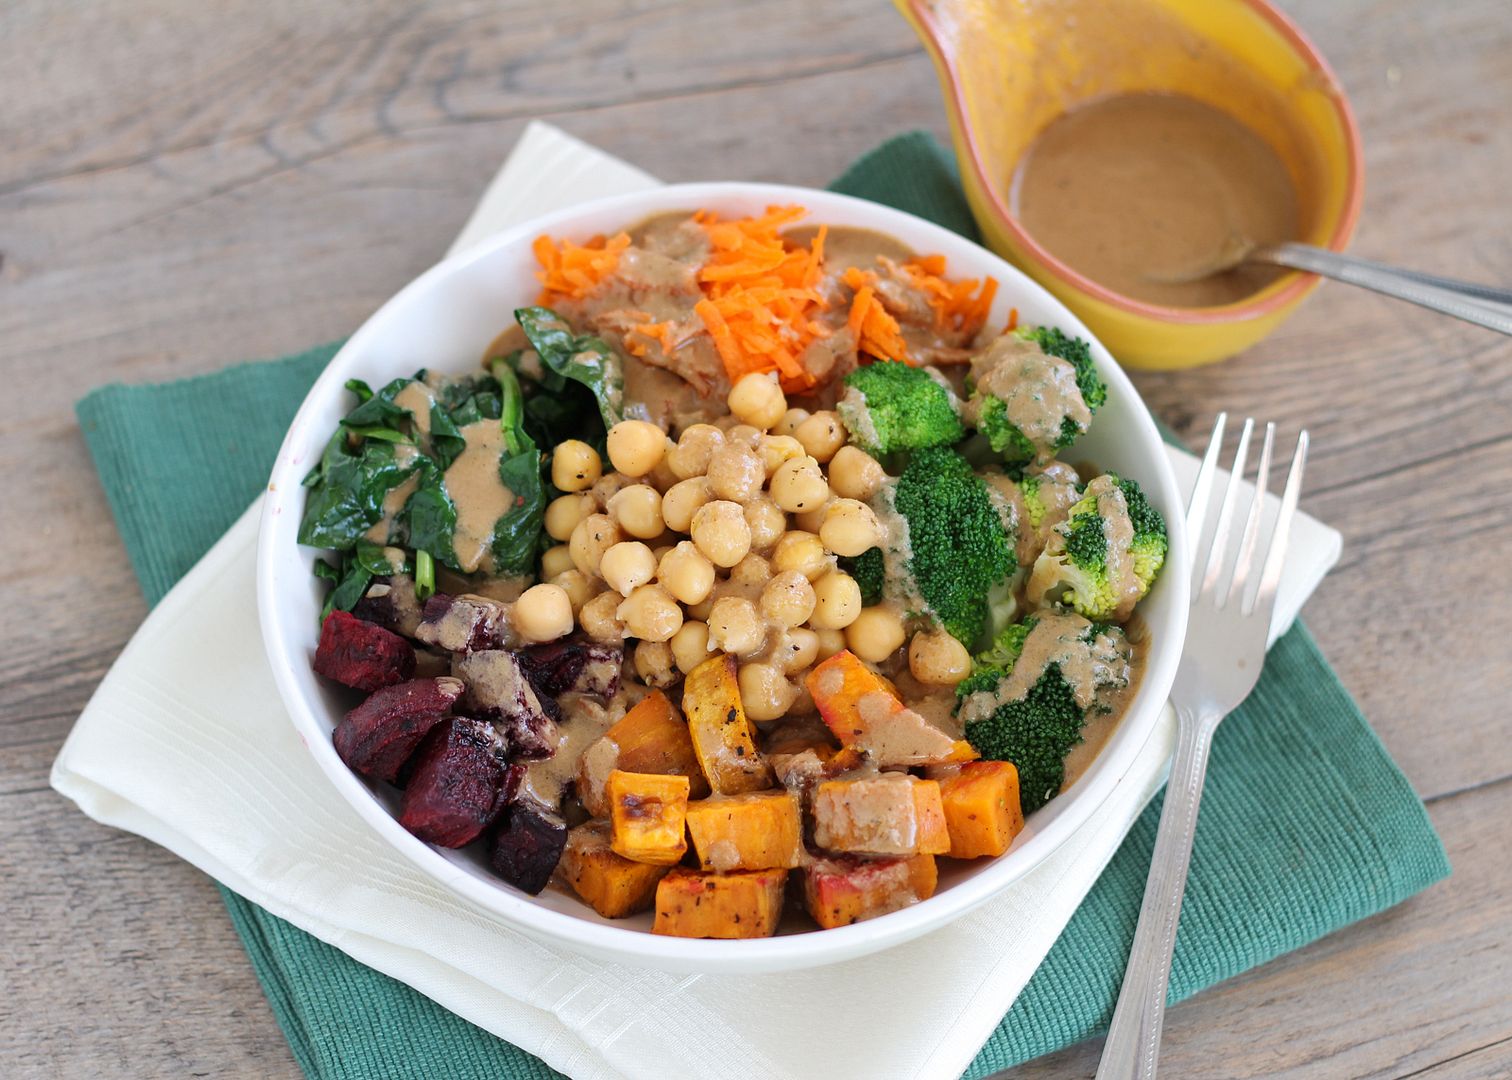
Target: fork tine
[
  {"x": 1236, "y": 588},
  {"x": 1275, "y": 557},
  {"x": 1219, "y": 549},
  {"x": 1202, "y": 488}
]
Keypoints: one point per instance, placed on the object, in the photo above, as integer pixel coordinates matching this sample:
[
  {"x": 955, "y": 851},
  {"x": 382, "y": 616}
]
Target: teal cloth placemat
[{"x": 1307, "y": 825}]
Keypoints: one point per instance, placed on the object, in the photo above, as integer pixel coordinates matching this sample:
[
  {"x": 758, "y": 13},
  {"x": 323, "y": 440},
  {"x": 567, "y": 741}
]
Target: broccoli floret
[
  {"x": 1076, "y": 566},
  {"x": 870, "y": 573},
  {"x": 960, "y": 549},
  {"x": 890, "y": 406},
  {"x": 1036, "y": 729},
  {"x": 1004, "y": 436},
  {"x": 1075, "y": 352}
]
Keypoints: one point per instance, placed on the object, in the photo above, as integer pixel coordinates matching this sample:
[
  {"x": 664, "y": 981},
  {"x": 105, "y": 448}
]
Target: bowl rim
[
  {"x": 1290, "y": 288},
  {"x": 783, "y": 952}
]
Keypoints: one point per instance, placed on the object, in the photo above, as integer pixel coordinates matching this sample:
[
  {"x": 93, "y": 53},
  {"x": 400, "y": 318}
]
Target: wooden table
[{"x": 186, "y": 183}]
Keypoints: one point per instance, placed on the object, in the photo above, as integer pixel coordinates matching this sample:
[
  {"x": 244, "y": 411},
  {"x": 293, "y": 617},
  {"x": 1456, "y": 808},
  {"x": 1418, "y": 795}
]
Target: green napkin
[{"x": 1307, "y": 825}]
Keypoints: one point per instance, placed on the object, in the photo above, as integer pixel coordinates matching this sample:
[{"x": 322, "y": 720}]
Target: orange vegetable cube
[
  {"x": 982, "y": 812},
  {"x": 741, "y": 904},
  {"x": 890, "y": 814},
  {"x": 838, "y": 892},
  {"x": 759, "y": 830},
  {"x": 863, "y": 710},
  {"x": 647, "y": 814},
  {"x": 723, "y": 737},
  {"x": 651, "y": 738},
  {"x": 611, "y": 884}
]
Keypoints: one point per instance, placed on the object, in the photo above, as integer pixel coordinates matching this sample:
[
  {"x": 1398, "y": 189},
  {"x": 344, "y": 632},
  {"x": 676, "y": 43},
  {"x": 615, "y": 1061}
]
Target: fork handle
[{"x": 1133, "y": 1043}]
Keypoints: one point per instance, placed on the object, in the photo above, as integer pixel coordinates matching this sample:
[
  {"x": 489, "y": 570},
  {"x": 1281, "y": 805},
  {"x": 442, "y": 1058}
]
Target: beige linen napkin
[{"x": 185, "y": 743}]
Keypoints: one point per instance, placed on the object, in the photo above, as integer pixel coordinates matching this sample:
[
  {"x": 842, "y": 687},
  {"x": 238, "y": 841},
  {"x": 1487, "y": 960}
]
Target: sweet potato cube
[
  {"x": 759, "y": 830},
  {"x": 650, "y": 738},
  {"x": 741, "y": 904},
  {"x": 609, "y": 883},
  {"x": 982, "y": 813},
  {"x": 722, "y": 736},
  {"x": 648, "y": 815},
  {"x": 890, "y": 814},
  {"x": 863, "y": 710},
  {"x": 838, "y": 892}
]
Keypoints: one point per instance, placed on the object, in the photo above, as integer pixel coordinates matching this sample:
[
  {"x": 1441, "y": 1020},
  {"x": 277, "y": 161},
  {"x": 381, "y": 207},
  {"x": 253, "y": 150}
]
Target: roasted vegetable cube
[
  {"x": 741, "y": 904},
  {"x": 648, "y": 815},
  {"x": 458, "y": 785},
  {"x": 890, "y": 814},
  {"x": 723, "y": 737},
  {"x": 650, "y": 738},
  {"x": 982, "y": 813},
  {"x": 759, "y": 830},
  {"x": 527, "y": 845},
  {"x": 842, "y": 891},
  {"x": 379, "y": 735},
  {"x": 611, "y": 884},
  {"x": 498, "y": 690},
  {"x": 579, "y": 667},
  {"x": 464, "y": 624},
  {"x": 360, "y": 654},
  {"x": 863, "y": 710}
]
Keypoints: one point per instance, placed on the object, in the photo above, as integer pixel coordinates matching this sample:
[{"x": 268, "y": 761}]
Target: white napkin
[{"x": 185, "y": 743}]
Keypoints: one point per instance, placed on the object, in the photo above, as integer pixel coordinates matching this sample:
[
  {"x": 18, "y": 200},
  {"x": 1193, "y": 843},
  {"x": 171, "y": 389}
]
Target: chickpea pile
[{"x": 725, "y": 540}]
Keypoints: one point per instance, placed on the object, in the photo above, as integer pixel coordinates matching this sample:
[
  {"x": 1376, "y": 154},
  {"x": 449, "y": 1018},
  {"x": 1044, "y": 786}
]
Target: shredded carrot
[
  {"x": 959, "y": 306},
  {"x": 1012, "y": 321},
  {"x": 875, "y": 330},
  {"x": 572, "y": 270}
]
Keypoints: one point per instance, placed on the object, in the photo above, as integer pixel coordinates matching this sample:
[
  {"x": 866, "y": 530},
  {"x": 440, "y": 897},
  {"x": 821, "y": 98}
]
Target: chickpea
[
  {"x": 788, "y": 599},
  {"x": 822, "y": 435},
  {"x": 662, "y": 477},
  {"x": 686, "y": 573},
  {"x": 555, "y": 560},
  {"x": 736, "y": 473},
  {"x": 610, "y": 485},
  {"x": 936, "y": 658},
  {"x": 830, "y": 642},
  {"x": 775, "y": 449},
  {"x": 700, "y": 610},
  {"x": 750, "y": 575},
  {"x": 654, "y": 663},
  {"x": 594, "y": 535},
  {"x": 764, "y": 692},
  {"x": 876, "y": 634},
  {"x": 757, "y": 399},
  {"x": 802, "y": 551},
  {"x": 543, "y": 613},
  {"x": 578, "y": 586},
  {"x": 638, "y": 510},
  {"x": 735, "y": 627},
  {"x": 849, "y": 528},
  {"x": 635, "y": 446},
  {"x": 790, "y": 421},
  {"x": 767, "y": 522},
  {"x": 798, "y": 485},
  {"x": 690, "y": 457},
  {"x": 690, "y": 645},
  {"x": 682, "y": 500},
  {"x": 721, "y": 533},
  {"x": 799, "y": 649},
  {"x": 599, "y": 618},
  {"x": 650, "y": 613},
  {"x": 812, "y": 520},
  {"x": 855, "y": 474},
  {"x": 627, "y": 566},
  {"x": 575, "y": 466},
  {"x": 837, "y": 601},
  {"x": 565, "y": 512}
]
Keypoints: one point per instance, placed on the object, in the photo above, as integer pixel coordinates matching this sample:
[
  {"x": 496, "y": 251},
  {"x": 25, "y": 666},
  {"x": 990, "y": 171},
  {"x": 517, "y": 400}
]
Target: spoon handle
[{"x": 1482, "y": 305}]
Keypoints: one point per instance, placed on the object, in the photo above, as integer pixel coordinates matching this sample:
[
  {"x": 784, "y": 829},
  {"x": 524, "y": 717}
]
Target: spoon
[{"x": 1482, "y": 305}]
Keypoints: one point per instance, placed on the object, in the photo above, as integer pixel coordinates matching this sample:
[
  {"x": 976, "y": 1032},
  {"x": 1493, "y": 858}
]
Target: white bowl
[{"x": 444, "y": 320}]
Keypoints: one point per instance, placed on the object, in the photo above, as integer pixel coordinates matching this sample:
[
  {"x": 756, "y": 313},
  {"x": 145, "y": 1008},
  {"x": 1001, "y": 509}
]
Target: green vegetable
[
  {"x": 425, "y": 575},
  {"x": 586, "y": 360},
  {"x": 1018, "y": 449},
  {"x": 960, "y": 550},
  {"x": 517, "y": 535},
  {"x": 347, "y": 489},
  {"x": 1074, "y": 565},
  {"x": 350, "y": 580},
  {"x": 890, "y": 406},
  {"x": 869, "y": 570}
]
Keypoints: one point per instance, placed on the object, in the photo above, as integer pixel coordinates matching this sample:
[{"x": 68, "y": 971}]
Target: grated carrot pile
[
  {"x": 572, "y": 270},
  {"x": 959, "y": 306},
  {"x": 876, "y": 332}
]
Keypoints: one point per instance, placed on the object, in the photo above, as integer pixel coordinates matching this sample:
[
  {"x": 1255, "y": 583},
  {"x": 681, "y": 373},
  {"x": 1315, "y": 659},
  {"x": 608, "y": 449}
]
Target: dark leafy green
[
  {"x": 347, "y": 490},
  {"x": 430, "y": 517},
  {"x": 350, "y": 581},
  {"x": 517, "y": 535},
  {"x": 586, "y": 360}
]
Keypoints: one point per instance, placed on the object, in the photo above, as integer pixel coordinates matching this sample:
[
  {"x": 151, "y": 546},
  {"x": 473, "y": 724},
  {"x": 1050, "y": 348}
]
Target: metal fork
[{"x": 1225, "y": 649}]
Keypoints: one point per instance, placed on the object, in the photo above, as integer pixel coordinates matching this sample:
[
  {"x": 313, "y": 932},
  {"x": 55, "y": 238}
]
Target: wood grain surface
[{"x": 186, "y": 183}]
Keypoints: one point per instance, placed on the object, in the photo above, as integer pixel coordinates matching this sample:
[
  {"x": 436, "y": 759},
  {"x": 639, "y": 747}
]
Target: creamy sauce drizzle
[
  {"x": 1038, "y": 390},
  {"x": 480, "y": 496},
  {"x": 1094, "y": 675}
]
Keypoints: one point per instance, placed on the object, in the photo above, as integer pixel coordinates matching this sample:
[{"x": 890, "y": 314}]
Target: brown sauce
[{"x": 1137, "y": 189}]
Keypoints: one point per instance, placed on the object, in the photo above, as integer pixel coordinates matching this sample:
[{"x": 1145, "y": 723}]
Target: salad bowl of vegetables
[{"x": 727, "y": 577}]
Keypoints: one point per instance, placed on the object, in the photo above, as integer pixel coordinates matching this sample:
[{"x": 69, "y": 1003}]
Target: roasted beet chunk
[
  {"x": 376, "y": 737},
  {"x": 463, "y": 624},
  {"x": 390, "y": 602},
  {"x": 498, "y": 690},
  {"x": 457, "y": 786},
  {"x": 361, "y": 655},
  {"x": 573, "y": 666},
  {"x": 527, "y": 845}
]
